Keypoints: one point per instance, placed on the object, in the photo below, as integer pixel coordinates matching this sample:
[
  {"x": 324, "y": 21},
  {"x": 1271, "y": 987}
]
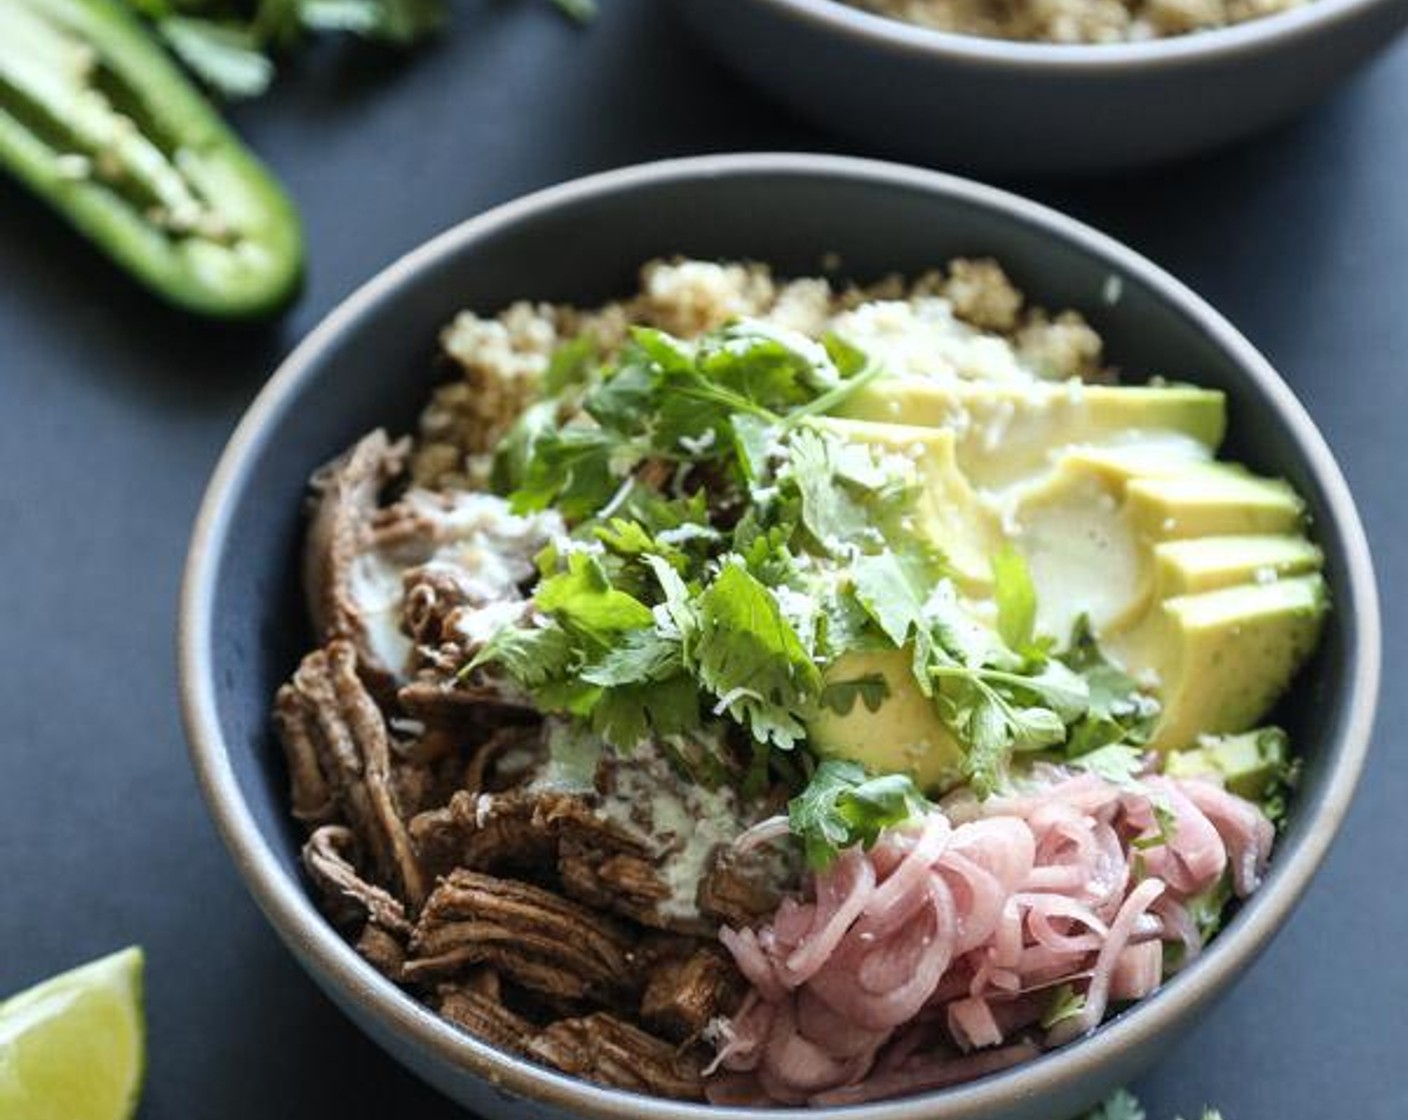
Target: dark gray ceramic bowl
[
  {"x": 965, "y": 101},
  {"x": 369, "y": 363}
]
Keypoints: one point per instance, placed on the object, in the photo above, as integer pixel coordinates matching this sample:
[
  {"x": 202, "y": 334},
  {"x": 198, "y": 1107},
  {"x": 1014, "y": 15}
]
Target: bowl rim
[
  {"x": 898, "y": 37},
  {"x": 391, "y": 1012}
]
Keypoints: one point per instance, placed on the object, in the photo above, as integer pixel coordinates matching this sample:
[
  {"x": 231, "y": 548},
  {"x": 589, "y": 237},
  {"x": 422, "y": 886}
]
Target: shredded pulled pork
[{"x": 957, "y": 946}]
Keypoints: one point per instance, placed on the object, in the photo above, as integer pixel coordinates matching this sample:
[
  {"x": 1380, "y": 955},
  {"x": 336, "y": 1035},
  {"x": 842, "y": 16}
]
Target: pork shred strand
[{"x": 936, "y": 956}]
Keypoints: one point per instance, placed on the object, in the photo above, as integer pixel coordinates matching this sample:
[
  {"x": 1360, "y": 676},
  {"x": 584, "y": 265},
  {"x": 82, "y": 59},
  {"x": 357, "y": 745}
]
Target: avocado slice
[
  {"x": 1089, "y": 530},
  {"x": 1007, "y": 433},
  {"x": 947, "y": 511},
  {"x": 1179, "y": 496},
  {"x": 1249, "y": 764},
  {"x": 1209, "y": 563},
  {"x": 1186, "y": 647},
  {"x": 904, "y": 735}
]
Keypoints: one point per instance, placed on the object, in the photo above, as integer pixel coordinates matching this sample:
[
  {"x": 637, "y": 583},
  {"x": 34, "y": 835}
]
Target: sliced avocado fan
[
  {"x": 1196, "y": 575},
  {"x": 1193, "y": 574}
]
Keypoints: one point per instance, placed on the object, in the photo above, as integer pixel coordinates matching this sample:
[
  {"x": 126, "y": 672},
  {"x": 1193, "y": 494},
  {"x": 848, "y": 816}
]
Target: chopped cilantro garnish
[
  {"x": 1015, "y": 595},
  {"x": 1118, "y": 710},
  {"x": 728, "y": 545},
  {"x": 1123, "y": 1105},
  {"x": 1119, "y": 1105},
  {"x": 748, "y": 656},
  {"x": 843, "y": 806},
  {"x": 1066, "y": 1003}
]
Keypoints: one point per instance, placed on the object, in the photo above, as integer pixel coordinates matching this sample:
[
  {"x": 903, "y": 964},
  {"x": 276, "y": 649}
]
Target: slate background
[{"x": 112, "y": 413}]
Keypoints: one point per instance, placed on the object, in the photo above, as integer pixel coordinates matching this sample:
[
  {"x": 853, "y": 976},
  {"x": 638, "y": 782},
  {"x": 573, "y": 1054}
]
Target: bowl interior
[{"x": 373, "y": 364}]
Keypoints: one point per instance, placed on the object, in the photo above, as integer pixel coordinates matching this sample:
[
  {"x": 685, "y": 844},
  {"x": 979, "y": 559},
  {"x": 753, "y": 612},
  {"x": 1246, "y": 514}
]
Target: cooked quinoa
[
  {"x": 969, "y": 316},
  {"x": 1074, "y": 21}
]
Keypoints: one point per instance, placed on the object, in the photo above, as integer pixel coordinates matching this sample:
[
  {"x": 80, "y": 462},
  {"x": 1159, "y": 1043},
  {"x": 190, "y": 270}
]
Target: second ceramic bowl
[{"x": 993, "y": 105}]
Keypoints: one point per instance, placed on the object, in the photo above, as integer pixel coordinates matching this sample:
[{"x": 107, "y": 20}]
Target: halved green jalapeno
[{"x": 100, "y": 122}]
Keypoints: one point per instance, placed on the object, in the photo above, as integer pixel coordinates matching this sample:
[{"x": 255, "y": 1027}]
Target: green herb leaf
[
  {"x": 639, "y": 657},
  {"x": 1015, "y": 595},
  {"x": 889, "y": 595},
  {"x": 750, "y": 658},
  {"x": 531, "y": 655},
  {"x": 838, "y": 518},
  {"x": 842, "y": 806},
  {"x": 573, "y": 468},
  {"x": 1066, "y": 1003},
  {"x": 572, "y": 364},
  {"x": 1118, "y": 711},
  {"x": 1120, "y": 1105},
  {"x": 766, "y": 364},
  {"x": 1115, "y": 762},
  {"x": 583, "y": 600},
  {"x": 626, "y": 715}
]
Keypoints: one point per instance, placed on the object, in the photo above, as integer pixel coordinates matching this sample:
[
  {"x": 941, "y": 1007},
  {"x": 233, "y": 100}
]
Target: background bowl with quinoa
[{"x": 1052, "y": 86}]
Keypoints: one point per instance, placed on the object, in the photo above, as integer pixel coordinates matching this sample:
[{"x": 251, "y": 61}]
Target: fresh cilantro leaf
[
  {"x": 573, "y": 469},
  {"x": 670, "y": 354},
  {"x": 1057, "y": 687},
  {"x": 769, "y": 365},
  {"x": 583, "y": 600},
  {"x": 638, "y": 657},
  {"x": 833, "y": 513},
  {"x": 755, "y": 440},
  {"x": 984, "y": 695},
  {"x": 1118, "y": 763},
  {"x": 1015, "y": 595},
  {"x": 1066, "y": 1003},
  {"x": 625, "y": 394},
  {"x": 844, "y": 625},
  {"x": 843, "y": 806},
  {"x": 833, "y": 400},
  {"x": 678, "y": 607},
  {"x": 962, "y": 638},
  {"x": 849, "y": 359},
  {"x": 1208, "y": 908},
  {"x": 626, "y": 715},
  {"x": 889, "y": 595},
  {"x": 749, "y": 657},
  {"x": 516, "y": 449},
  {"x": 1120, "y": 1105},
  {"x": 627, "y": 538},
  {"x": 840, "y": 696},
  {"x": 531, "y": 655},
  {"x": 572, "y": 364},
  {"x": 1118, "y": 710}
]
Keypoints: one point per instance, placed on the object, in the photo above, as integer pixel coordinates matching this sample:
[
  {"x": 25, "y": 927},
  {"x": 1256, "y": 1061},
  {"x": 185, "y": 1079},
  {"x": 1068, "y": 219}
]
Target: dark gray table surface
[{"x": 112, "y": 413}]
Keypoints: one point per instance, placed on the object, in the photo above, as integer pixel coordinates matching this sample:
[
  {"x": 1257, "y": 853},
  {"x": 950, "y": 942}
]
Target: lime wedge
[{"x": 72, "y": 1048}]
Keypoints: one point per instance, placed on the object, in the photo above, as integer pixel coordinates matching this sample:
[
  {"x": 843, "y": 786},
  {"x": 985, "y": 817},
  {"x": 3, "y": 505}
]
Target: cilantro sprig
[
  {"x": 728, "y": 545},
  {"x": 1124, "y": 1105},
  {"x": 697, "y": 488},
  {"x": 843, "y": 806}
]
